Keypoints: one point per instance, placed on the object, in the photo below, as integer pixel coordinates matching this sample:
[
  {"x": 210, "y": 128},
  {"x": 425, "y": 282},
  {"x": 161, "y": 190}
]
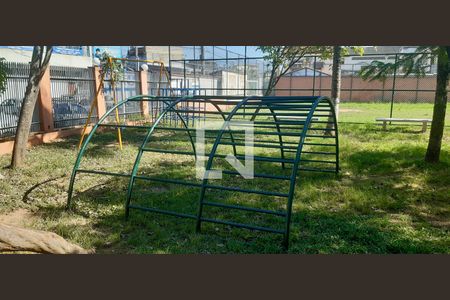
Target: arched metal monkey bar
[{"x": 304, "y": 129}]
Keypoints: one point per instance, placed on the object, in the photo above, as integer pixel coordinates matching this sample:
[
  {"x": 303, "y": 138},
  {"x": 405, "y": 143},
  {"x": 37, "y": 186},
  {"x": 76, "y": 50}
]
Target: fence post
[
  {"x": 314, "y": 76},
  {"x": 417, "y": 90},
  {"x": 184, "y": 79},
  {"x": 351, "y": 83},
  {"x": 290, "y": 84},
  {"x": 101, "y": 104},
  {"x": 245, "y": 73},
  {"x": 45, "y": 102},
  {"x": 393, "y": 87},
  {"x": 144, "y": 91}
]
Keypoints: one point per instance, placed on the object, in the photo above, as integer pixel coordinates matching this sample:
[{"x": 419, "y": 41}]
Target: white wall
[
  {"x": 23, "y": 56},
  {"x": 233, "y": 81}
]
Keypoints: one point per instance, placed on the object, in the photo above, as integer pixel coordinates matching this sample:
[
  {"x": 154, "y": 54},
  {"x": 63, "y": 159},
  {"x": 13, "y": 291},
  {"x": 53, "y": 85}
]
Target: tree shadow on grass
[
  {"x": 400, "y": 159},
  {"x": 314, "y": 230},
  {"x": 341, "y": 232},
  {"x": 385, "y": 214},
  {"x": 25, "y": 197},
  {"x": 403, "y": 183}
]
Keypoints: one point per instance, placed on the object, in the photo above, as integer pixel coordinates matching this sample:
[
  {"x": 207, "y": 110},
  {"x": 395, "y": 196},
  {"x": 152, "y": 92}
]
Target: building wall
[
  {"x": 24, "y": 56},
  {"x": 354, "y": 63},
  {"x": 232, "y": 81},
  {"x": 161, "y": 53}
]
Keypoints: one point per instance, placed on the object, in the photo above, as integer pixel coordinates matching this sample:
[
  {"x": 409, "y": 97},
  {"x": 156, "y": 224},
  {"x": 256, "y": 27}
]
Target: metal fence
[
  {"x": 127, "y": 87},
  {"x": 396, "y": 87},
  {"x": 11, "y": 100},
  {"x": 222, "y": 76},
  {"x": 247, "y": 76},
  {"x": 158, "y": 84},
  {"x": 216, "y": 70},
  {"x": 311, "y": 76},
  {"x": 72, "y": 90}
]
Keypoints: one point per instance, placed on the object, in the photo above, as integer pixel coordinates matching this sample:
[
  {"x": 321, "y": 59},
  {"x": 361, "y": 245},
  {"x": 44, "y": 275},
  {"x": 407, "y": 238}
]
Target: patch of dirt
[{"x": 19, "y": 217}]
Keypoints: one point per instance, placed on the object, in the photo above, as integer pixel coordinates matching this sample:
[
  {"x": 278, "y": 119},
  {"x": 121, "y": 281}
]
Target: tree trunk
[
  {"x": 335, "y": 86},
  {"x": 336, "y": 79},
  {"x": 39, "y": 63},
  {"x": 270, "y": 86},
  {"x": 440, "y": 105},
  {"x": 14, "y": 239},
  {"x": 271, "y": 83}
]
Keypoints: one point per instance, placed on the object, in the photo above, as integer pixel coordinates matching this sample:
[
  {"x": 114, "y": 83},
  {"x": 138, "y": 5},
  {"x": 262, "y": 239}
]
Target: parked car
[
  {"x": 9, "y": 112},
  {"x": 70, "y": 107}
]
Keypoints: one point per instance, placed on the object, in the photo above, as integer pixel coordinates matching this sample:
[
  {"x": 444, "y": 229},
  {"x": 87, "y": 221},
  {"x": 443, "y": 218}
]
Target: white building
[
  {"x": 353, "y": 63},
  {"x": 69, "y": 56}
]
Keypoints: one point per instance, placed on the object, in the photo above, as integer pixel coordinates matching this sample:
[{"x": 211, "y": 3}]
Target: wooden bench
[{"x": 386, "y": 120}]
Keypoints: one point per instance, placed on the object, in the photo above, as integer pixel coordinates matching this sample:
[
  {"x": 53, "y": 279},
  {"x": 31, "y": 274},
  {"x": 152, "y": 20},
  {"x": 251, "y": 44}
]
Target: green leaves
[
  {"x": 111, "y": 67},
  {"x": 283, "y": 58},
  {"x": 416, "y": 63},
  {"x": 355, "y": 49},
  {"x": 3, "y": 69}
]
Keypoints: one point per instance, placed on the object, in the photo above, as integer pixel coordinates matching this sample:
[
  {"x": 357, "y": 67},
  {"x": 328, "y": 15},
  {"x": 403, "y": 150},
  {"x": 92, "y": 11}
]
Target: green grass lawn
[
  {"x": 368, "y": 112},
  {"x": 385, "y": 200}
]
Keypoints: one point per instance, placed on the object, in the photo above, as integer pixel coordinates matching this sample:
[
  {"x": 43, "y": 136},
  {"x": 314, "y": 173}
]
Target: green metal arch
[
  {"x": 168, "y": 109},
  {"x": 280, "y": 138},
  {"x": 210, "y": 158},
  {"x": 269, "y": 103},
  {"x": 298, "y": 158},
  {"x": 100, "y": 121},
  {"x": 141, "y": 151},
  {"x": 145, "y": 141},
  {"x": 295, "y": 167}
]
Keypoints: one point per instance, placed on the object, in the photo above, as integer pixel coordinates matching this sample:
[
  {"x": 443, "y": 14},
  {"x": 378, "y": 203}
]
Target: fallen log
[{"x": 14, "y": 239}]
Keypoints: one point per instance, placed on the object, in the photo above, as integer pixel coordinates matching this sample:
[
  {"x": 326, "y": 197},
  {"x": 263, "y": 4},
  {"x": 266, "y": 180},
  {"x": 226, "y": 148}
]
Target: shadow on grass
[
  {"x": 375, "y": 209},
  {"x": 399, "y": 159},
  {"x": 25, "y": 197},
  {"x": 313, "y": 231},
  {"x": 358, "y": 228}
]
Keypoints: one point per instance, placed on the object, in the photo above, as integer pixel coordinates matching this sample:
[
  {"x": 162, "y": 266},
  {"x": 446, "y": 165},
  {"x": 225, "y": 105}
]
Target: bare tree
[{"x": 39, "y": 62}]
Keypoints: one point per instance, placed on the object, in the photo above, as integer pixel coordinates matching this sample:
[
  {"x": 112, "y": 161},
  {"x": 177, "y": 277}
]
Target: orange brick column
[
  {"x": 101, "y": 104},
  {"x": 45, "y": 102},
  {"x": 144, "y": 91}
]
